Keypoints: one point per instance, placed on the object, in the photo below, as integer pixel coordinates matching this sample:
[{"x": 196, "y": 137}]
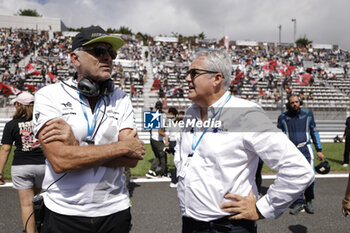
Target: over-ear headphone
[
  {"x": 89, "y": 88},
  {"x": 288, "y": 103}
]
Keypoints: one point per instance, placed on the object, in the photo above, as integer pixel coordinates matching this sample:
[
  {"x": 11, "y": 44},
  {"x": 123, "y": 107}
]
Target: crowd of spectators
[
  {"x": 50, "y": 62},
  {"x": 132, "y": 50},
  {"x": 265, "y": 71},
  {"x": 170, "y": 61},
  {"x": 131, "y": 78},
  {"x": 258, "y": 73},
  {"x": 15, "y": 44}
]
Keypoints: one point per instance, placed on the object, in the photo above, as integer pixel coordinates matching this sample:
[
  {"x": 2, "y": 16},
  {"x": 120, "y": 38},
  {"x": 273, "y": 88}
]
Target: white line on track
[{"x": 264, "y": 177}]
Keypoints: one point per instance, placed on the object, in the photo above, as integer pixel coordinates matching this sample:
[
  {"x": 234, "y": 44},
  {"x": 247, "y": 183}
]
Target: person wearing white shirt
[
  {"x": 217, "y": 162},
  {"x": 84, "y": 182}
]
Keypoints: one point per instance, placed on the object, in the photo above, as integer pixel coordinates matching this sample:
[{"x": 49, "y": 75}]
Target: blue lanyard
[
  {"x": 194, "y": 143},
  {"x": 91, "y": 127}
]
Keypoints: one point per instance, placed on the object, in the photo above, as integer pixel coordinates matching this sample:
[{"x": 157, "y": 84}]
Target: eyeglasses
[
  {"x": 100, "y": 51},
  {"x": 194, "y": 72}
]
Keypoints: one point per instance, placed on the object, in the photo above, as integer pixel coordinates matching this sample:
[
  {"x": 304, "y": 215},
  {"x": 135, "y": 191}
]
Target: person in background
[
  {"x": 346, "y": 136},
  {"x": 158, "y": 137},
  {"x": 299, "y": 124},
  {"x": 258, "y": 177},
  {"x": 171, "y": 139},
  {"x": 346, "y": 200},
  {"x": 28, "y": 165}
]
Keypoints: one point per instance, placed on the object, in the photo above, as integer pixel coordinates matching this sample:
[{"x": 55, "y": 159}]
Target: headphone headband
[{"x": 89, "y": 88}]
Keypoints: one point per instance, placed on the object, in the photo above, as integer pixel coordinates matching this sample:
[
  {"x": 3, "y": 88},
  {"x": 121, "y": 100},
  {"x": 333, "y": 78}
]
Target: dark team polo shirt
[{"x": 28, "y": 149}]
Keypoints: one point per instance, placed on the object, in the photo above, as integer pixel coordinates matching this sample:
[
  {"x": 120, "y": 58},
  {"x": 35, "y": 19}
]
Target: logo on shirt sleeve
[
  {"x": 152, "y": 120},
  {"x": 67, "y": 105},
  {"x": 37, "y": 116}
]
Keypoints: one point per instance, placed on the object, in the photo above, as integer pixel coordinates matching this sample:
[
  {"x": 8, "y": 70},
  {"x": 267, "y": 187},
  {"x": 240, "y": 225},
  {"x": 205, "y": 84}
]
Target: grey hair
[
  {"x": 78, "y": 52},
  {"x": 218, "y": 60}
]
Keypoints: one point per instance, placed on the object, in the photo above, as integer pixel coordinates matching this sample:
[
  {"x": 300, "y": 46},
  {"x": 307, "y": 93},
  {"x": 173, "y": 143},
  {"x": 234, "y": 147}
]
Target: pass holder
[
  {"x": 91, "y": 127},
  {"x": 186, "y": 165},
  {"x": 89, "y": 140}
]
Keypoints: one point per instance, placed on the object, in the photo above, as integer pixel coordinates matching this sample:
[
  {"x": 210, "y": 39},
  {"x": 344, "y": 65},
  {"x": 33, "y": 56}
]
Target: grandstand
[{"x": 261, "y": 72}]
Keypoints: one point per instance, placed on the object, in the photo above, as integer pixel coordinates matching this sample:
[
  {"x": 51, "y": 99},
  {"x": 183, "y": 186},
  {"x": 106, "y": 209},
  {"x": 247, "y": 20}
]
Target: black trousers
[
  {"x": 347, "y": 150},
  {"x": 119, "y": 222},
  {"x": 258, "y": 177},
  {"x": 222, "y": 225},
  {"x": 309, "y": 192}
]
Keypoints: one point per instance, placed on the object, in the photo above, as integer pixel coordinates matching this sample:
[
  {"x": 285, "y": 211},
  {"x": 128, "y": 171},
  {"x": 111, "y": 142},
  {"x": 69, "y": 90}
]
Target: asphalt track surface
[{"x": 155, "y": 209}]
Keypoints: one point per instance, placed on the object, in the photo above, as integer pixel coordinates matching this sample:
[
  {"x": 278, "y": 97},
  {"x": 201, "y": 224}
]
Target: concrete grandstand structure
[
  {"x": 32, "y": 23},
  {"x": 261, "y": 72}
]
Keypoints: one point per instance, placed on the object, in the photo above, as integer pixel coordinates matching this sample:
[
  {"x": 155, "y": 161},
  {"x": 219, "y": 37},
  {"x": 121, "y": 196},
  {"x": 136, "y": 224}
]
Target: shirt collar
[
  {"x": 212, "y": 108},
  {"x": 215, "y": 106}
]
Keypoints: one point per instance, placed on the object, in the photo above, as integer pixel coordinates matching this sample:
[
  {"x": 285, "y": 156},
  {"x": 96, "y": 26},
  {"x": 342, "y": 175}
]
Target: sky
[{"x": 321, "y": 21}]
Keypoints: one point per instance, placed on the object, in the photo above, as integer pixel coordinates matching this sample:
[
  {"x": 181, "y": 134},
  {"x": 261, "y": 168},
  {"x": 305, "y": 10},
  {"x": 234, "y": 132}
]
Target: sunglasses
[
  {"x": 194, "y": 72},
  {"x": 100, "y": 51}
]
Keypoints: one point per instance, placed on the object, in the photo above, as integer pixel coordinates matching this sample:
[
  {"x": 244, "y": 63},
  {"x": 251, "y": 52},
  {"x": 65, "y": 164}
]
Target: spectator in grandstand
[
  {"x": 302, "y": 95},
  {"x": 146, "y": 55},
  {"x": 299, "y": 124},
  {"x": 345, "y": 68},
  {"x": 84, "y": 180},
  {"x": 157, "y": 143},
  {"x": 28, "y": 165},
  {"x": 346, "y": 136},
  {"x": 346, "y": 200},
  {"x": 217, "y": 165}
]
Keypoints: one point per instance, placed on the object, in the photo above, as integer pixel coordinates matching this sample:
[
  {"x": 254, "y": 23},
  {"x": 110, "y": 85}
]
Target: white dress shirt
[{"x": 227, "y": 157}]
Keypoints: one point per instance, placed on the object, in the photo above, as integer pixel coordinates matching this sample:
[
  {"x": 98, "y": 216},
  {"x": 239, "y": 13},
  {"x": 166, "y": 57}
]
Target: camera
[{"x": 38, "y": 203}]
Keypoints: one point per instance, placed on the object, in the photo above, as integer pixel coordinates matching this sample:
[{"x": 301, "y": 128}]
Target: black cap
[
  {"x": 94, "y": 34},
  {"x": 323, "y": 168}
]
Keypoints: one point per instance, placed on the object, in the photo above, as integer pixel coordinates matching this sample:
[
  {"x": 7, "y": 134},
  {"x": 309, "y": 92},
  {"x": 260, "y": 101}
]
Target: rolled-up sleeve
[
  {"x": 44, "y": 108},
  {"x": 294, "y": 173}
]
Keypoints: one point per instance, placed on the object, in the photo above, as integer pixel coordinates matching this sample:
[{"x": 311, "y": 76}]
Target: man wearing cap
[{"x": 84, "y": 181}]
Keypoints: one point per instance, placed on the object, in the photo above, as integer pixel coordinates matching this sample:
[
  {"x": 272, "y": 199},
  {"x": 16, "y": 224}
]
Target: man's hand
[
  {"x": 58, "y": 130},
  {"x": 136, "y": 147},
  {"x": 345, "y": 207},
  {"x": 243, "y": 207},
  {"x": 128, "y": 140},
  {"x": 320, "y": 155}
]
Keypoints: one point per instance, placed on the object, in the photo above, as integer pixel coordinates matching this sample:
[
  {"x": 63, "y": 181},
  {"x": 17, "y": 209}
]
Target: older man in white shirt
[{"x": 218, "y": 153}]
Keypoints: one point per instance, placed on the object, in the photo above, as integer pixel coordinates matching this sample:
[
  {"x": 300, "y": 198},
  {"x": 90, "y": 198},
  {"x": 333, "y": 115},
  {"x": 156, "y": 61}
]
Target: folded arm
[
  {"x": 65, "y": 154},
  {"x": 124, "y": 161}
]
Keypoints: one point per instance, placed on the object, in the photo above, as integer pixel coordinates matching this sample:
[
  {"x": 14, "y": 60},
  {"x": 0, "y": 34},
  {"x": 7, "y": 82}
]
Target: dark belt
[{"x": 221, "y": 224}]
